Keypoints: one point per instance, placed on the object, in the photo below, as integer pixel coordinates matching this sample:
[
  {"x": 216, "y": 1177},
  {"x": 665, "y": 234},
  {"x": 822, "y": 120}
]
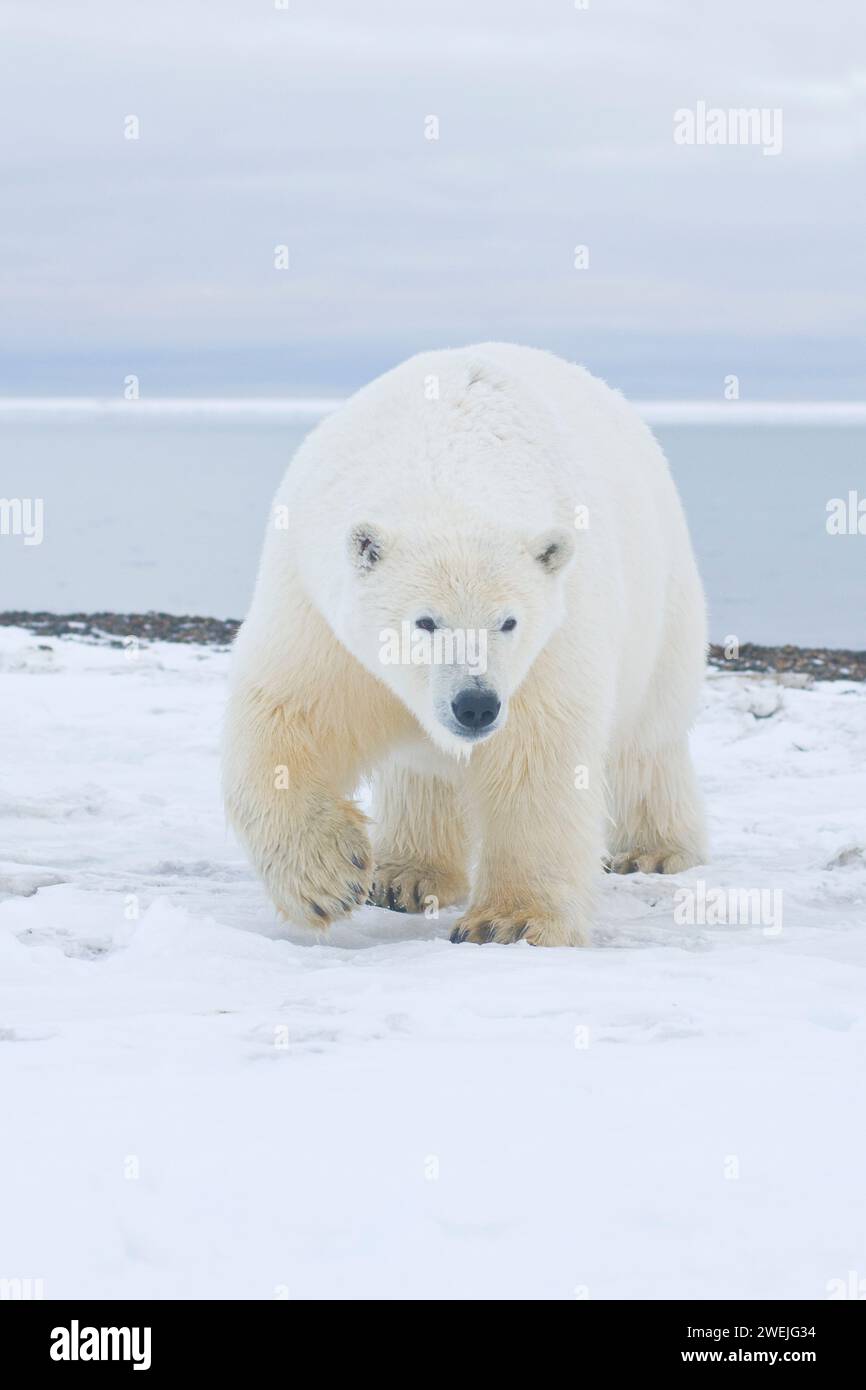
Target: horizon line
[{"x": 660, "y": 411}]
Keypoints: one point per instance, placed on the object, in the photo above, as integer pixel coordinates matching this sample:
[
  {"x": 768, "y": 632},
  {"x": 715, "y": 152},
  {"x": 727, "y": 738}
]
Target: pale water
[{"x": 168, "y": 513}]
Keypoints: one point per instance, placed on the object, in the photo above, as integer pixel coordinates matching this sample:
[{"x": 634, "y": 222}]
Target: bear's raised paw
[{"x": 329, "y": 874}]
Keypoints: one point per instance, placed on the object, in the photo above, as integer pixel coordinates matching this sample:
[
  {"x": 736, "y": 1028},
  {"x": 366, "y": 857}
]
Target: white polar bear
[{"x": 499, "y": 498}]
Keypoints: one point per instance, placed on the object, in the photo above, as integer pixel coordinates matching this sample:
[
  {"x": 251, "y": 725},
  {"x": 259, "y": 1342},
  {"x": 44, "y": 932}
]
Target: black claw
[
  {"x": 319, "y": 911},
  {"x": 416, "y": 895},
  {"x": 458, "y": 935},
  {"x": 394, "y": 902},
  {"x": 359, "y": 863}
]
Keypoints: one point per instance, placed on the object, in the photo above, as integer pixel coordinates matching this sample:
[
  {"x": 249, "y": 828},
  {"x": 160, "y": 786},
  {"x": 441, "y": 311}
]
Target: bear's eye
[
  {"x": 426, "y": 624},
  {"x": 509, "y": 625}
]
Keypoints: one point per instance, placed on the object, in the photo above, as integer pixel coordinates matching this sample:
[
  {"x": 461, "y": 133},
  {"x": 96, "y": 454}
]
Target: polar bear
[{"x": 513, "y": 504}]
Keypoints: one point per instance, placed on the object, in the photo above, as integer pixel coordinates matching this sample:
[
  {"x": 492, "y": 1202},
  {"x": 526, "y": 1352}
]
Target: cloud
[{"x": 306, "y": 127}]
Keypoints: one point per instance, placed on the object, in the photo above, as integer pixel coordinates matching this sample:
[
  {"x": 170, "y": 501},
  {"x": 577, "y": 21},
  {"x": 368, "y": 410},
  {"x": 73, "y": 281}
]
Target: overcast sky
[{"x": 305, "y": 126}]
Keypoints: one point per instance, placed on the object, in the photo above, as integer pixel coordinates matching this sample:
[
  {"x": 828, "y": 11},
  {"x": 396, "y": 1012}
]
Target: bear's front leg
[
  {"x": 287, "y": 769},
  {"x": 537, "y": 792},
  {"x": 293, "y": 755}
]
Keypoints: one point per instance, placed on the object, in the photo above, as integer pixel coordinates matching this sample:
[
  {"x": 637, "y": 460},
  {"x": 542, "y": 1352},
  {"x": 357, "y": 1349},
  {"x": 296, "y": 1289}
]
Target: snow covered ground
[{"x": 197, "y": 1102}]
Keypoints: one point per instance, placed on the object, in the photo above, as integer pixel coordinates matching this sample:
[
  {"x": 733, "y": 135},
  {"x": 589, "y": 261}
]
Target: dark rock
[{"x": 816, "y": 663}]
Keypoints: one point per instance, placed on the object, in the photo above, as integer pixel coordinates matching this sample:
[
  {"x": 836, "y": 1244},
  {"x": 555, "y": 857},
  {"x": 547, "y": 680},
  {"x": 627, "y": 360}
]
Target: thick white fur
[{"x": 462, "y": 463}]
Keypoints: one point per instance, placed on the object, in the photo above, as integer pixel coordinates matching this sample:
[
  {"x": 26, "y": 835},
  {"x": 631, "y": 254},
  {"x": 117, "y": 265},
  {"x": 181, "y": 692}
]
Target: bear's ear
[
  {"x": 553, "y": 549},
  {"x": 366, "y": 546}
]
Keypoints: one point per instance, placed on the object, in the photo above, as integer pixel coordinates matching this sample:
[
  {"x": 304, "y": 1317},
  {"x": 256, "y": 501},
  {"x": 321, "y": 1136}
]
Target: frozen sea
[{"x": 163, "y": 506}]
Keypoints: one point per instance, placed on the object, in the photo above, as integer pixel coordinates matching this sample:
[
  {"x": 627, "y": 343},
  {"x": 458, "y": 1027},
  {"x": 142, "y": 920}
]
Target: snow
[{"x": 199, "y": 1102}]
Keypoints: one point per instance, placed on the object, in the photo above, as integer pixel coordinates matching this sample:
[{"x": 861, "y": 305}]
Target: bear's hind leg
[
  {"x": 657, "y": 811},
  {"x": 420, "y": 847}
]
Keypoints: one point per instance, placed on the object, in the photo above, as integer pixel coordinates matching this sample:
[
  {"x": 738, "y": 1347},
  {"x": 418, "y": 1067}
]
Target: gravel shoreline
[{"x": 800, "y": 665}]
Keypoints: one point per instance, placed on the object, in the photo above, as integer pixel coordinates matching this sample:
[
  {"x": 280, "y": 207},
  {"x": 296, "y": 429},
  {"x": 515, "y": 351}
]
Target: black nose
[{"x": 475, "y": 709}]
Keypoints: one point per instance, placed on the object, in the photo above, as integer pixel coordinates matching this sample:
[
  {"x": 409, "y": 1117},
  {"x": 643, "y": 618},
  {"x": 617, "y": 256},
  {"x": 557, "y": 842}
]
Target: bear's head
[{"x": 452, "y": 623}]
